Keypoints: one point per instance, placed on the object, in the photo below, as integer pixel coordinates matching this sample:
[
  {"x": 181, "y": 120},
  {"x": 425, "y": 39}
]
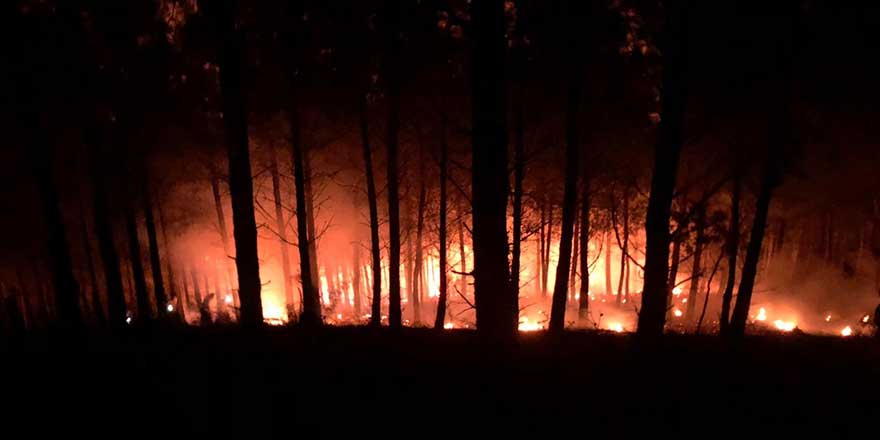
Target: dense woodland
[{"x": 611, "y": 165}]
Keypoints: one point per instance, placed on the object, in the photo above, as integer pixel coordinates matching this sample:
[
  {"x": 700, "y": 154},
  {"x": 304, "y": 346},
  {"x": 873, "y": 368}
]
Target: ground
[{"x": 364, "y": 383}]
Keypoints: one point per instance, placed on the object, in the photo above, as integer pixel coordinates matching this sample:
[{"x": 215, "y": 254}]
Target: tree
[
  {"x": 64, "y": 283},
  {"x": 104, "y": 232},
  {"x": 696, "y": 271},
  {"x": 311, "y": 313},
  {"x": 584, "y": 301},
  {"x": 496, "y": 303},
  {"x": 779, "y": 140},
  {"x": 569, "y": 207},
  {"x": 282, "y": 234},
  {"x": 240, "y": 181},
  {"x": 375, "y": 250},
  {"x": 392, "y": 77},
  {"x": 731, "y": 248},
  {"x": 652, "y": 316},
  {"x": 155, "y": 262},
  {"x": 144, "y": 311},
  {"x": 441, "y": 298},
  {"x": 221, "y": 224},
  {"x": 418, "y": 267},
  {"x": 97, "y": 308}
]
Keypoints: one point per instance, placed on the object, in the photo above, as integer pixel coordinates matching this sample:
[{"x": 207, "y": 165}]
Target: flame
[
  {"x": 677, "y": 313},
  {"x": 866, "y": 318},
  {"x": 526, "y": 326},
  {"x": 762, "y": 315},
  {"x": 449, "y": 326},
  {"x": 847, "y": 331},
  {"x": 828, "y": 319},
  {"x": 228, "y": 299},
  {"x": 169, "y": 307},
  {"x": 616, "y": 327},
  {"x": 785, "y": 326},
  {"x": 676, "y": 291},
  {"x": 274, "y": 312}
]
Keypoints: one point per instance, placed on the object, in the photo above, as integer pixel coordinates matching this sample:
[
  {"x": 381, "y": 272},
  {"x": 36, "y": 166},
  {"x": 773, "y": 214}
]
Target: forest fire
[
  {"x": 527, "y": 326},
  {"x": 762, "y": 315},
  {"x": 249, "y": 218},
  {"x": 616, "y": 327},
  {"x": 785, "y": 326}
]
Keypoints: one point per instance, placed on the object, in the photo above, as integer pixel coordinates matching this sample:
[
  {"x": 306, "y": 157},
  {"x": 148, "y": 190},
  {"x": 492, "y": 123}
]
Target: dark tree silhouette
[
  {"x": 95, "y": 297},
  {"x": 417, "y": 278},
  {"x": 311, "y": 313},
  {"x": 652, "y": 316},
  {"x": 696, "y": 271},
  {"x": 731, "y": 248},
  {"x": 104, "y": 233},
  {"x": 584, "y": 301},
  {"x": 569, "y": 207},
  {"x": 392, "y": 77},
  {"x": 375, "y": 245},
  {"x": 282, "y": 234},
  {"x": 496, "y": 302},
  {"x": 241, "y": 185},
  {"x": 155, "y": 262},
  {"x": 441, "y": 298},
  {"x": 144, "y": 312},
  {"x": 64, "y": 283}
]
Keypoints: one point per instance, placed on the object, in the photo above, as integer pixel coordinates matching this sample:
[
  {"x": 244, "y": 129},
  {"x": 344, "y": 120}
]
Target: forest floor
[{"x": 368, "y": 383}]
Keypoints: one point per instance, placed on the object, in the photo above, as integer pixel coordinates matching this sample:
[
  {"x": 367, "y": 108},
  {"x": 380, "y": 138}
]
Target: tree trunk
[
  {"x": 542, "y": 243},
  {"x": 519, "y": 171},
  {"x": 753, "y": 251},
  {"x": 420, "y": 226},
  {"x": 608, "y": 286},
  {"x": 696, "y": 271},
  {"x": 155, "y": 262},
  {"x": 63, "y": 281},
  {"x": 461, "y": 250},
  {"x": 584, "y": 300},
  {"x": 97, "y": 308},
  {"x": 311, "y": 304},
  {"x": 575, "y": 251},
  {"x": 497, "y": 310},
  {"x": 189, "y": 299},
  {"x": 569, "y": 208},
  {"x": 392, "y": 75},
  {"x": 144, "y": 311},
  {"x": 548, "y": 244},
  {"x": 624, "y": 250},
  {"x": 732, "y": 250},
  {"x": 375, "y": 245},
  {"x": 670, "y": 137},
  {"x": 673, "y": 273},
  {"x": 221, "y": 221},
  {"x": 168, "y": 265},
  {"x": 310, "y": 214},
  {"x": 441, "y": 298},
  {"x": 282, "y": 236},
  {"x": 106, "y": 246},
  {"x": 240, "y": 181},
  {"x": 356, "y": 281}
]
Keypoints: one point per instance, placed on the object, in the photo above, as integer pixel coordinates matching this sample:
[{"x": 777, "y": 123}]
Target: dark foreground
[{"x": 359, "y": 383}]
